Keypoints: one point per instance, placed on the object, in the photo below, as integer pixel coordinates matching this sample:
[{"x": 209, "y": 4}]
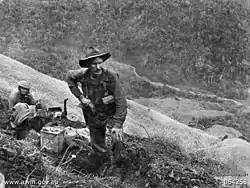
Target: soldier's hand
[
  {"x": 85, "y": 101},
  {"x": 38, "y": 104},
  {"x": 11, "y": 118},
  {"x": 92, "y": 107},
  {"x": 117, "y": 134}
]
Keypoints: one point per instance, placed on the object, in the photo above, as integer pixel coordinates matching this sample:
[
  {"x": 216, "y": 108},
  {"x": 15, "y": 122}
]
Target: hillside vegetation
[
  {"x": 186, "y": 152},
  {"x": 171, "y": 154},
  {"x": 197, "y": 43}
]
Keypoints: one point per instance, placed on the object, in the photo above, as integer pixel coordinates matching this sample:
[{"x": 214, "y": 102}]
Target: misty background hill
[
  {"x": 160, "y": 49},
  {"x": 202, "y": 44}
]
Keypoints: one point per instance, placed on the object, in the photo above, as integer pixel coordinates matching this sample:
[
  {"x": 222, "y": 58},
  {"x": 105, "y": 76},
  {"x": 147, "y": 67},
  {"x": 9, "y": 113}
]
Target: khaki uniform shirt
[{"x": 108, "y": 84}]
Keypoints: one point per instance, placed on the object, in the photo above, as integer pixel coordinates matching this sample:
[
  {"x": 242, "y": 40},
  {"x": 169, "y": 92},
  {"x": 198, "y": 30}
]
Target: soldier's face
[
  {"x": 95, "y": 67},
  {"x": 24, "y": 91}
]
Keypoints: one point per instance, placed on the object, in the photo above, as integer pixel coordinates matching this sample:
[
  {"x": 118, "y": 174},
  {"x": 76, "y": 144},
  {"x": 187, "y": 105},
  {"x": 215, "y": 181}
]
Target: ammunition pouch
[{"x": 109, "y": 99}]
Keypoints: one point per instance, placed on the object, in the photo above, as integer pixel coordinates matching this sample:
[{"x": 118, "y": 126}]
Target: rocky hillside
[
  {"x": 168, "y": 48},
  {"x": 152, "y": 136}
]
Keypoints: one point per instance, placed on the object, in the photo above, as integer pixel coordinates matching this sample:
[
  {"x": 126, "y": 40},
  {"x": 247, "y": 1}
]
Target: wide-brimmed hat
[{"x": 90, "y": 55}]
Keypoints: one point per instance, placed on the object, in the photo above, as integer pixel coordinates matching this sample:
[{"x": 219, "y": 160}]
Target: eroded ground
[
  {"x": 201, "y": 114},
  {"x": 149, "y": 163}
]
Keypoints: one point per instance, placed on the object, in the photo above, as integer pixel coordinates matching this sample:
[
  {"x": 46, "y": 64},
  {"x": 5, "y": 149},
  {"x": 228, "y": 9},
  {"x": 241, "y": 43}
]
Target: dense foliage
[{"x": 174, "y": 41}]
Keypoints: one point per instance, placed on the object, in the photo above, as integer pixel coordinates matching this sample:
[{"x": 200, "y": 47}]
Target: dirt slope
[
  {"x": 139, "y": 117},
  {"x": 52, "y": 91},
  {"x": 148, "y": 163}
]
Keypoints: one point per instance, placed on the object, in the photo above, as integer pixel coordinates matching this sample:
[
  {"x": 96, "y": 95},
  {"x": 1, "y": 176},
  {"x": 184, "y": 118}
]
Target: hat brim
[{"x": 87, "y": 61}]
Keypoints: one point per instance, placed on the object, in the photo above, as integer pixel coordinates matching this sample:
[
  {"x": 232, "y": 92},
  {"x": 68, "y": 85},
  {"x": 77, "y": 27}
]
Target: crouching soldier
[
  {"x": 103, "y": 101},
  {"x": 22, "y": 95},
  {"x": 23, "y": 108}
]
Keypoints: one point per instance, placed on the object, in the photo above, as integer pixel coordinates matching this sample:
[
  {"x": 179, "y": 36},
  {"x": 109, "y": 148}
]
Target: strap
[
  {"x": 104, "y": 84},
  {"x": 86, "y": 90}
]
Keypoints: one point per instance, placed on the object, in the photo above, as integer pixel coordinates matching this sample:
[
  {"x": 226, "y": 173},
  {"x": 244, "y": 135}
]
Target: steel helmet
[{"x": 24, "y": 84}]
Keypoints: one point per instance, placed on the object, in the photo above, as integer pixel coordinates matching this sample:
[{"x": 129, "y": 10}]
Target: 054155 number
[{"x": 238, "y": 181}]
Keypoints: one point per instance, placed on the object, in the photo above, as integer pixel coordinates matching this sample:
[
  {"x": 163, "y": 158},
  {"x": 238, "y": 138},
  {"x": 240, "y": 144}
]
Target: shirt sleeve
[
  {"x": 121, "y": 103},
  {"x": 73, "y": 77},
  {"x": 32, "y": 101}
]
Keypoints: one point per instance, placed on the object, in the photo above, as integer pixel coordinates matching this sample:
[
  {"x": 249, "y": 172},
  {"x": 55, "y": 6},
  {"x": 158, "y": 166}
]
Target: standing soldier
[{"x": 103, "y": 101}]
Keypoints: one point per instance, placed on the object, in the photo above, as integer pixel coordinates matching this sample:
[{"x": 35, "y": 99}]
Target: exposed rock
[{"x": 233, "y": 151}]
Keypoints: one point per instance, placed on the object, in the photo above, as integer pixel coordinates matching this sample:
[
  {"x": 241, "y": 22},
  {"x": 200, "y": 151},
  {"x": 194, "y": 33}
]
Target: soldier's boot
[
  {"x": 92, "y": 163},
  {"x": 22, "y": 130},
  {"x": 105, "y": 164},
  {"x": 119, "y": 153}
]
